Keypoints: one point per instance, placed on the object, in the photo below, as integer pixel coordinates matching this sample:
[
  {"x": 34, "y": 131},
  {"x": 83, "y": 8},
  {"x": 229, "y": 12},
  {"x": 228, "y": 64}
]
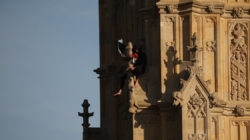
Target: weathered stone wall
[{"x": 209, "y": 87}]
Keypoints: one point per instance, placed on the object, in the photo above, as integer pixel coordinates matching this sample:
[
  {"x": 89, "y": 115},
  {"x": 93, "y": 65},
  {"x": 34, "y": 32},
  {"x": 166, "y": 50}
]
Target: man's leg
[{"x": 122, "y": 82}]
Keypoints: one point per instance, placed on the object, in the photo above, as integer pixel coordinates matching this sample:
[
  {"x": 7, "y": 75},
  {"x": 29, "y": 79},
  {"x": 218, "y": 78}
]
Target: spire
[{"x": 85, "y": 116}]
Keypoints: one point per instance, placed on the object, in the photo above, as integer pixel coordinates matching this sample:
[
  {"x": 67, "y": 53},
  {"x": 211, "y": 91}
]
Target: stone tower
[{"x": 196, "y": 85}]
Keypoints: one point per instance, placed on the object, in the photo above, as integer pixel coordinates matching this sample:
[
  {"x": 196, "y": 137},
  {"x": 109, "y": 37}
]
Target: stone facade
[{"x": 196, "y": 85}]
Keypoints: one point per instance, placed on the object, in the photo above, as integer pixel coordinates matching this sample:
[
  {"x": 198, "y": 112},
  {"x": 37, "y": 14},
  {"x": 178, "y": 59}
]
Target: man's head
[{"x": 136, "y": 49}]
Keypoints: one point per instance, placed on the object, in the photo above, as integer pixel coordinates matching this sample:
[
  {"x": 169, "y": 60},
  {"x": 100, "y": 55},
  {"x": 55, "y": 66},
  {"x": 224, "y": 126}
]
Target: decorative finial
[
  {"x": 193, "y": 49},
  {"x": 85, "y": 116}
]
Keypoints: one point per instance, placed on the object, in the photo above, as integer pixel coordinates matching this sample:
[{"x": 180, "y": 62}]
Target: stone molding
[
  {"x": 236, "y": 12},
  {"x": 196, "y": 137},
  {"x": 203, "y": 8},
  {"x": 184, "y": 7},
  {"x": 240, "y": 122}
]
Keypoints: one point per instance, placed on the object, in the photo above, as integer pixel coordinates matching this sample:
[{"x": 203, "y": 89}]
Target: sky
[{"x": 48, "y": 51}]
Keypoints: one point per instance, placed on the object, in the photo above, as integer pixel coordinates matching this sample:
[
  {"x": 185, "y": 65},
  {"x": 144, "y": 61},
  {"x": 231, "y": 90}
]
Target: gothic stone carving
[
  {"x": 240, "y": 110},
  {"x": 240, "y": 123},
  {"x": 183, "y": 82},
  {"x": 195, "y": 70},
  {"x": 214, "y": 119},
  {"x": 177, "y": 98},
  {"x": 196, "y": 137},
  {"x": 210, "y": 8},
  {"x": 207, "y": 83},
  {"x": 238, "y": 12},
  {"x": 170, "y": 19},
  {"x": 238, "y": 58},
  {"x": 170, "y": 8},
  {"x": 194, "y": 48},
  {"x": 192, "y": 70},
  {"x": 215, "y": 100},
  {"x": 211, "y": 46},
  {"x": 196, "y": 106}
]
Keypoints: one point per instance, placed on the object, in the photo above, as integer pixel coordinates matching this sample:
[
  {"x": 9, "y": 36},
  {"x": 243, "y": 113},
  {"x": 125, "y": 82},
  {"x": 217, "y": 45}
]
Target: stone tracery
[
  {"x": 196, "y": 106},
  {"x": 238, "y": 65}
]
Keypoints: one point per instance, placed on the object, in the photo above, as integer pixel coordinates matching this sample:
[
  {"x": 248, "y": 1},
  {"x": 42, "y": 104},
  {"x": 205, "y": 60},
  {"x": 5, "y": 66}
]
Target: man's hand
[{"x": 130, "y": 55}]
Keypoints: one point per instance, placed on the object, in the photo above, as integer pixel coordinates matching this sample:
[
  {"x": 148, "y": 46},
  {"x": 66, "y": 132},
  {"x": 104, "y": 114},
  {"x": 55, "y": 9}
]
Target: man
[{"x": 139, "y": 65}]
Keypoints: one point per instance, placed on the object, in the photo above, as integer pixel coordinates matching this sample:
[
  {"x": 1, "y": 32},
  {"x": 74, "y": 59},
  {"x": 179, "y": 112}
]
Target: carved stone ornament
[
  {"x": 177, "y": 98},
  {"x": 238, "y": 65},
  {"x": 195, "y": 100},
  {"x": 240, "y": 110},
  {"x": 85, "y": 115},
  {"x": 211, "y": 46},
  {"x": 194, "y": 48},
  {"x": 207, "y": 83},
  {"x": 196, "y": 106},
  {"x": 196, "y": 137},
  {"x": 169, "y": 19},
  {"x": 240, "y": 123},
  {"x": 210, "y": 8},
  {"x": 195, "y": 70},
  {"x": 170, "y": 8},
  {"x": 183, "y": 82},
  {"x": 214, "y": 119},
  {"x": 215, "y": 100},
  {"x": 238, "y": 12}
]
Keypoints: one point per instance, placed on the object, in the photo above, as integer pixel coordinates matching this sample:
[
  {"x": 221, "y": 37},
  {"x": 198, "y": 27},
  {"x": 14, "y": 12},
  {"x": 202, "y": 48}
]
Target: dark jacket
[{"x": 141, "y": 60}]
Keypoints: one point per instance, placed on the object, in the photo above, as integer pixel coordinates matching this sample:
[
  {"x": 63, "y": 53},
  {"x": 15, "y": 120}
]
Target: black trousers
[{"x": 136, "y": 72}]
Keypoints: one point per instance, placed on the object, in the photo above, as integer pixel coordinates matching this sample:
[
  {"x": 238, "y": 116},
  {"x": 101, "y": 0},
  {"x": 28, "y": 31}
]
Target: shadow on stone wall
[{"x": 172, "y": 80}]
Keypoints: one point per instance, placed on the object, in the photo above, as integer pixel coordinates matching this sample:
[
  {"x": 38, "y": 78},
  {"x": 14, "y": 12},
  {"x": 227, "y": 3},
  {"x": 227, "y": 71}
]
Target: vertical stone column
[
  {"x": 168, "y": 61},
  {"x": 209, "y": 49}
]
